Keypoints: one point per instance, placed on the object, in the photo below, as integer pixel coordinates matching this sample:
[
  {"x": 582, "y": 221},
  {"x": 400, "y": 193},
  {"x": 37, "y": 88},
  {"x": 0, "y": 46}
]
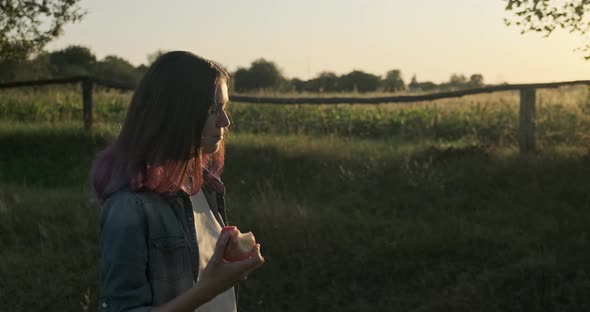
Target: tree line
[
  {"x": 265, "y": 75},
  {"x": 71, "y": 61},
  {"x": 261, "y": 75},
  {"x": 27, "y": 26}
]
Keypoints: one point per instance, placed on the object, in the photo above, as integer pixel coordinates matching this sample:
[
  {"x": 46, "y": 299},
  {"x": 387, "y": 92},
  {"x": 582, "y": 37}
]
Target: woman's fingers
[
  {"x": 221, "y": 244},
  {"x": 252, "y": 263},
  {"x": 255, "y": 250}
]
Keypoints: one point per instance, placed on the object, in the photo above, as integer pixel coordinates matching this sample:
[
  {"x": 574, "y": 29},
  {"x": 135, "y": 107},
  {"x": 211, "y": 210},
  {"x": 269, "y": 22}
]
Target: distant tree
[
  {"x": 427, "y": 86},
  {"x": 284, "y": 86},
  {"x": 458, "y": 80},
  {"x": 152, "y": 57},
  {"x": 297, "y": 85},
  {"x": 262, "y": 74},
  {"x": 393, "y": 81},
  {"x": 71, "y": 61},
  {"x": 324, "y": 82},
  {"x": 358, "y": 81},
  {"x": 242, "y": 80},
  {"x": 115, "y": 68},
  {"x": 26, "y": 26},
  {"x": 413, "y": 85},
  {"x": 33, "y": 69},
  {"x": 544, "y": 16},
  {"x": 476, "y": 81},
  {"x": 328, "y": 82},
  {"x": 265, "y": 73}
]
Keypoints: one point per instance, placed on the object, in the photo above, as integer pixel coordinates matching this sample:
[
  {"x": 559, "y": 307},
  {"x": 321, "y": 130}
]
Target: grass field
[
  {"x": 431, "y": 210},
  {"x": 563, "y": 115}
]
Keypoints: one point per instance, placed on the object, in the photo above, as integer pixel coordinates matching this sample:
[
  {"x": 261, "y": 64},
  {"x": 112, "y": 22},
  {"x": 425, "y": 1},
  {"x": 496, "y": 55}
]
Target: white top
[{"x": 208, "y": 230}]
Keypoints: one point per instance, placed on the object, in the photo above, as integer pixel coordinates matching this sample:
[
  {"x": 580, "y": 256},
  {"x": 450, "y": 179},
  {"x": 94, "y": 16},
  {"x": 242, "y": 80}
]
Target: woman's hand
[
  {"x": 217, "y": 277},
  {"x": 220, "y": 275}
]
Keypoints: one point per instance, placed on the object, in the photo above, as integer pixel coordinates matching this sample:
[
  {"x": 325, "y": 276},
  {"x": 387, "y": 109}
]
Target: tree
[
  {"x": 152, "y": 57},
  {"x": 18, "y": 69},
  {"x": 422, "y": 86},
  {"x": 324, "y": 82},
  {"x": 242, "y": 81},
  {"x": 393, "y": 81},
  {"x": 544, "y": 16},
  {"x": 358, "y": 81},
  {"x": 265, "y": 74},
  {"x": 71, "y": 61},
  {"x": 414, "y": 85},
  {"x": 27, "y": 25},
  {"x": 476, "y": 81},
  {"x": 115, "y": 68},
  {"x": 262, "y": 74},
  {"x": 297, "y": 85},
  {"x": 428, "y": 86},
  {"x": 457, "y": 80}
]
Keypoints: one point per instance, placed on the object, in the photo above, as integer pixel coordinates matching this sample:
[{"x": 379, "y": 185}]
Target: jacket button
[{"x": 104, "y": 305}]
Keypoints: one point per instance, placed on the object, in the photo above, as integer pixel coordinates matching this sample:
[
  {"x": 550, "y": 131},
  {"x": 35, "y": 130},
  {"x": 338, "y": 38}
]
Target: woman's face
[{"x": 217, "y": 121}]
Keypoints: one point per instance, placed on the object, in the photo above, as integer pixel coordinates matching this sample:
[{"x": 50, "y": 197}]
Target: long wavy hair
[{"x": 159, "y": 146}]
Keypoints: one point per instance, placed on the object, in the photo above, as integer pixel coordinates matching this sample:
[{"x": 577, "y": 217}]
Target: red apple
[{"x": 240, "y": 246}]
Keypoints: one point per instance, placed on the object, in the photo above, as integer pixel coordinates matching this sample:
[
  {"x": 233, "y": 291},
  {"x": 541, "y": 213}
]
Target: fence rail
[{"x": 527, "y": 99}]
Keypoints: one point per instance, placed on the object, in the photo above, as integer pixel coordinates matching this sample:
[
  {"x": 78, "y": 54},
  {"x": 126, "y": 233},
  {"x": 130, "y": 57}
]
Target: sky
[{"x": 431, "y": 39}]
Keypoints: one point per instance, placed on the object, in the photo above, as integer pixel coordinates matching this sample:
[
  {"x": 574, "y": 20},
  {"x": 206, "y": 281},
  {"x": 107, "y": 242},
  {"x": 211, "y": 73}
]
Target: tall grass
[
  {"x": 428, "y": 207},
  {"x": 346, "y": 224}
]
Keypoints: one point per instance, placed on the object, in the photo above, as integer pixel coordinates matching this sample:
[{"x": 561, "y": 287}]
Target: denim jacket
[{"x": 149, "y": 252}]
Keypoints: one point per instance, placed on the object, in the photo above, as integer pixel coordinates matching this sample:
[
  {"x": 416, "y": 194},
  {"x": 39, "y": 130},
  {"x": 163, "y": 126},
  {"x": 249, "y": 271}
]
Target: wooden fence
[{"x": 527, "y": 99}]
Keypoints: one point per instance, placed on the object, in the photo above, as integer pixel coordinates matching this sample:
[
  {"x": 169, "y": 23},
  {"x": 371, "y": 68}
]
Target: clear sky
[{"x": 429, "y": 38}]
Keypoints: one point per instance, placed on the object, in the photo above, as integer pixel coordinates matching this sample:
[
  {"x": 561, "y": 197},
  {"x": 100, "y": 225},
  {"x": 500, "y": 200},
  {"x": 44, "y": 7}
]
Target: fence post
[
  {"x": 87, "y": 86},
  {"x": 526, "y": 135}
]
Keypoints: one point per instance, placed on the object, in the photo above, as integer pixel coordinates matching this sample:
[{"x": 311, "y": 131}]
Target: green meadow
[{"x": 397, "y": 207}]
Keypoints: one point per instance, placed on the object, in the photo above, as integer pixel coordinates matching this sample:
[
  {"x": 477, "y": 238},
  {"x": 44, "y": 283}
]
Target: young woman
[{"x": 162, "y": 199}]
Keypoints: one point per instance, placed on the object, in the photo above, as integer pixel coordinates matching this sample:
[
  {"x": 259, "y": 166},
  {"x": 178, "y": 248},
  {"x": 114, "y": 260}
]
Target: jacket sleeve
[{"x": 124, "y": 285}]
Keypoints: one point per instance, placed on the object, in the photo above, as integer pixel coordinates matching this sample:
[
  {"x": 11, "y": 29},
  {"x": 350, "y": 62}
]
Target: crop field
[{"x": 397, "y": 207}]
